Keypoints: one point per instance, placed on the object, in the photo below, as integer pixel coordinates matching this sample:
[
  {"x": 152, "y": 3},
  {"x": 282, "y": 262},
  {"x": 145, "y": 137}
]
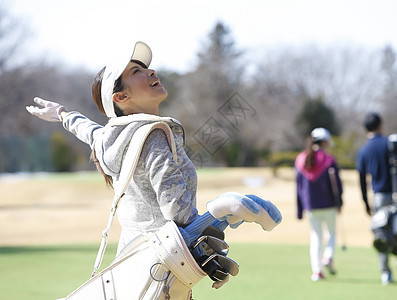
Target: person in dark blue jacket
[
  {"x": 319, "y": 193},
  {"x": 372, "y": 158}
]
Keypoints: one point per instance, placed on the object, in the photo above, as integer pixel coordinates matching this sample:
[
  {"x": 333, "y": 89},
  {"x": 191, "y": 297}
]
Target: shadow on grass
[{"x": 359, "y": 281}]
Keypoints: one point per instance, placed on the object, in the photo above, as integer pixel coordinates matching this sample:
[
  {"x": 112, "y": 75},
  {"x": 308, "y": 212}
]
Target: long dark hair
[
  {"x": 310, "y": 161},
  {"x": 96, "y": 95}
]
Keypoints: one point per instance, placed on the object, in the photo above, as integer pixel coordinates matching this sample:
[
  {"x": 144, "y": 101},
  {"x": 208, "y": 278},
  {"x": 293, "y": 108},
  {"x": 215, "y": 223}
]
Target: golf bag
[
  {"x": 158, "y": 265},
  {"x": 384, "y": 222},
  {"x": 384, "y": 227},
  {"x": 392, "y": 144}
]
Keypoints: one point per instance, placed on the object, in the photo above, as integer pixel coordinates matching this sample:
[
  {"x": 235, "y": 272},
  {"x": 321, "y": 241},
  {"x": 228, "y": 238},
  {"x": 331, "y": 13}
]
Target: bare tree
[
  {"x": 389, "y": 96},
  {"x": 13, "y": 34},
  {"x": 349, "y": 80},
  {"x": 216, "y": 76},
  {"x": 206, "y": 94}
]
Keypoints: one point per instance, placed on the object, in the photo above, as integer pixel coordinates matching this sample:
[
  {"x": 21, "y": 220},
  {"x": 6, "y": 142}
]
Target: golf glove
[{"x": 51, "y": 111}]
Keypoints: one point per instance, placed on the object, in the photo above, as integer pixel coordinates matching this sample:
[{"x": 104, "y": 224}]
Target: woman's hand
[{"x": 51, "y": 112}]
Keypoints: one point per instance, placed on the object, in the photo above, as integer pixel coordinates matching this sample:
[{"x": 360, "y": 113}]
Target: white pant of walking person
[{"x": 322, "y": 220}]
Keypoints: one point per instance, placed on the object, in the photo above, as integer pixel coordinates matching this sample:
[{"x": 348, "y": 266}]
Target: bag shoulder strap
[
  {"x": 134, "y": 151},
  {"x": 127, "y": 171},
  {"x": 334, "y": 186}
]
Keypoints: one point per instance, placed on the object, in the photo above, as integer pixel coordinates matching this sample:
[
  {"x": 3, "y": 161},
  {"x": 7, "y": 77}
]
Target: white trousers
[{"x": 322, "y": 221}]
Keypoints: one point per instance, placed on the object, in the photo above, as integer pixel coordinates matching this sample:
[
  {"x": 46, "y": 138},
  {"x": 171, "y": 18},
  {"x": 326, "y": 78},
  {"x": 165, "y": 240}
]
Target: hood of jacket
[
  {"x": 323, "y": 162},
  {"x": 111, "y": 145}
]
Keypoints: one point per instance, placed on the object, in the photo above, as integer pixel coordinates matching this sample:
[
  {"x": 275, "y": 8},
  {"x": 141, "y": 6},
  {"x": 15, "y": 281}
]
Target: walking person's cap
[
  {"x": 321, "y": 134},
  {"x": 115, "y": 68}
]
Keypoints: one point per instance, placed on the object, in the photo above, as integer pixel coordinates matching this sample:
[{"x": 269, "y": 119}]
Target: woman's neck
[{"x": 146, "y": 110}]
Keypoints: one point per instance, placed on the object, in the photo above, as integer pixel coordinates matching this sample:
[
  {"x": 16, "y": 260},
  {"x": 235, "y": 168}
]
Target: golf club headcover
[
  {"x": 235, "y": 208},
  {"x": 234, "y": 221},
  {"x": 221, "y": 225},
  {"x": 192, "y": 232},
  {"x": 271, "y": 216}
]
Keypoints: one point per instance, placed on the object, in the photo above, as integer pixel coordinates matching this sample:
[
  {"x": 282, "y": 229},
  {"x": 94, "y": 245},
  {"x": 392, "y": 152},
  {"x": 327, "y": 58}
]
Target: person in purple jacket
[{"x": 319, "y": 191}]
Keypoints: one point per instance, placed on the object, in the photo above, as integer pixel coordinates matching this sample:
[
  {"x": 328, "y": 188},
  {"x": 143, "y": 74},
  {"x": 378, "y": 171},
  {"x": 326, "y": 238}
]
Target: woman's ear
[{"x": 119, "y": 97}]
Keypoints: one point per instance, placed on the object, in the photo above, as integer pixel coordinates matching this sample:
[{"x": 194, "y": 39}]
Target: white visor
[{"x": 115, "y": 68}]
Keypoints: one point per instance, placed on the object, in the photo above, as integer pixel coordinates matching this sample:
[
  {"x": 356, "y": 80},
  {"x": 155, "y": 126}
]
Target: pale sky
[{"x": 83, "y": 32}]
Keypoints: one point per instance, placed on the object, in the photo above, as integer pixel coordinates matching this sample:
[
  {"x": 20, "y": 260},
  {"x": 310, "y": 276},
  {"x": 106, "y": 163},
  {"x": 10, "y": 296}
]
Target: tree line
[{"x": 238, "y": 109}]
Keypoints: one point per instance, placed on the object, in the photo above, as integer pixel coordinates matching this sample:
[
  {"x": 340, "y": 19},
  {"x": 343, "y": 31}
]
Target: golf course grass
[
  {"x": 50, "y": 227},
  {"x": 266, "y": 272}
]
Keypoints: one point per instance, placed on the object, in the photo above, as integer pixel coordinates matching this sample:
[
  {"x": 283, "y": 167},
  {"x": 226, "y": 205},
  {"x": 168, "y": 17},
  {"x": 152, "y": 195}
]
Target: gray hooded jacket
[{"x": 161, "y": 189}]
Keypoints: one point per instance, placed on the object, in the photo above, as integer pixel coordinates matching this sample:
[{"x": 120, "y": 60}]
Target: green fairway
[
  {"x": 266, "y": 272},
  {"x": 283, "y": 272}
]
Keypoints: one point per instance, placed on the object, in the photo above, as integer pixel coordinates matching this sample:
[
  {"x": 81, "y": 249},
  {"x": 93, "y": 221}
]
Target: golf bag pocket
[
  {"x": 384, "y": 227},
  {"x": 158, "y": 265}
]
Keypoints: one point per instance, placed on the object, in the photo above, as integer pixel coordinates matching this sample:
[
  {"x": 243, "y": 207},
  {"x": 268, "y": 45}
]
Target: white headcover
[{"x": 115, "y": 68}]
